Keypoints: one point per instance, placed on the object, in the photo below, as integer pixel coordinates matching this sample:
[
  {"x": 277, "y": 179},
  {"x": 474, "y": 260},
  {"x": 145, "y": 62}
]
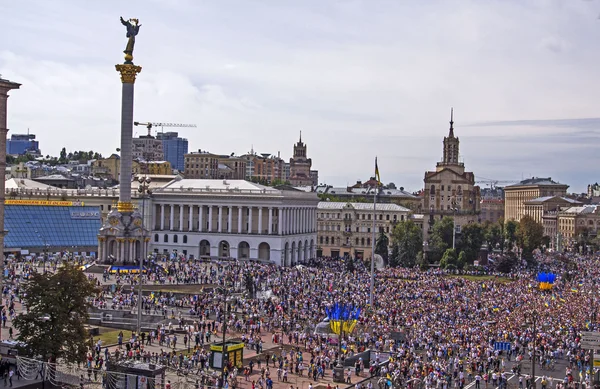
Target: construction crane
[
  {"x": 493, "y": 183},
  {"x": 149, "y": 125}
]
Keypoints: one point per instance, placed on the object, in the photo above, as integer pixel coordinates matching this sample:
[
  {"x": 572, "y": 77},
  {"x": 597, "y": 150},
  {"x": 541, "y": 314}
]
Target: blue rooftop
[{"x": 34, "y": 227}]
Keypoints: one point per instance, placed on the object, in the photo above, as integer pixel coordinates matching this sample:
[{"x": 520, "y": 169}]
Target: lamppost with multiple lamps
[
  {"x": 144, "y": 191},
  {"x": 532, "y": 318}
]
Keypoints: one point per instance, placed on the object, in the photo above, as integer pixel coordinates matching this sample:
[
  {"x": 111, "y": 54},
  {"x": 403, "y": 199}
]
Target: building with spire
[
  {"x": 450, "y": 190},
  {"x": 300, "y": 164}
]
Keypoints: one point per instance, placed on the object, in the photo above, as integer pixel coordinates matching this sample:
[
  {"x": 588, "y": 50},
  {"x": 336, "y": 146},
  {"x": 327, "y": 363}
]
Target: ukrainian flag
[
  {"x": 377, "y": 176},
  {"x": 574, "y": 290},
  {"x": 496, "y": 309}
]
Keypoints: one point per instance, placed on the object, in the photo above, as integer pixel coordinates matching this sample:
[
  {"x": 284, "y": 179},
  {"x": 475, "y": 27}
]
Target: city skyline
[{"x": 359, "y": 79}]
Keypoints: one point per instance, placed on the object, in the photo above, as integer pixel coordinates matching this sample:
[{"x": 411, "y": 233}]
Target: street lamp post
[
  {"x": 454, "y": 228},
  {"x": 533, "y": 317},
  {"x": 226, "y": 310},
  {"x": 143, "y": 189}
]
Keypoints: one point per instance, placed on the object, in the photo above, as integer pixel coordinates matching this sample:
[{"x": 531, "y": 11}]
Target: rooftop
[
  {"x": 584, "y": 210},
  {"x": 337, "y": 205},
  {"x": 546, "y": 198},
  {"x": 208, "y": 185},
  {"x": 16, "y": 183},
  {"x": 537, "y": 181}
]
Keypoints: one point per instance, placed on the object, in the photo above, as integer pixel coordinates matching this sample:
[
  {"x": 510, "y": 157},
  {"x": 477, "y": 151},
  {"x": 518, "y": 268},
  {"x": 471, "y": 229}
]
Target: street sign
[
  {"x": 504, "y": 346},
  {"x": 590, "y": 336},
  {"x": 590, "y": 340},
  {"x": 590, "y": 345}
]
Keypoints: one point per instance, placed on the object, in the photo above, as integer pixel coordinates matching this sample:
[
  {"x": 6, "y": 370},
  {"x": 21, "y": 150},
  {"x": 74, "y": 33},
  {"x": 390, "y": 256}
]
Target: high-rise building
[
  {"x": 174, "y": 149},
  {"x": 20, "y": 144},
  {"x": 300, "y": 165},
  {"x": 450, "y": 190}
]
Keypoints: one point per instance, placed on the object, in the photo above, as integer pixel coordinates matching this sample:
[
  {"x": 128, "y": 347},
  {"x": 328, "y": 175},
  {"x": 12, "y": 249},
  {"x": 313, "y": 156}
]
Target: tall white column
[
  {"x": 229, "y": 219},
  {"x": 200, "y": 218},
  {"x": 303, "y": 220},
  {"x": 249, "y": 220},
  {"x": 260, "y": 229},
  {"x": 172, "y": 218},
  {"x": 210, "y": 218},
  {"x": 270, "y": 220},
  {"x": 191, "y": 218},
  {"x": 288, "y": 218},
  {"x": 239, "y": 229},
  {"x": 220, "y": 219},
  {"x": 162, "y": 217},
  {"x": 181, "y": 217},
  {"x": 280, "y": 221}
]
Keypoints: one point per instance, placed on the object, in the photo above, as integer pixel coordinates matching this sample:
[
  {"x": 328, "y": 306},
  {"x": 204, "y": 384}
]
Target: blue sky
[{"x": 359, "y": 78}]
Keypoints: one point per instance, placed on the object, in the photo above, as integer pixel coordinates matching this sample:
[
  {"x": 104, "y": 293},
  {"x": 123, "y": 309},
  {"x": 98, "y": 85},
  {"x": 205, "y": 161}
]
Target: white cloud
[{"x": 359, "y": 78}]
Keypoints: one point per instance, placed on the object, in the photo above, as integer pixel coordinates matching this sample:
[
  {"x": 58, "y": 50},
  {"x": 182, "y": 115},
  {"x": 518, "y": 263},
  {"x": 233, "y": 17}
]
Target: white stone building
[{"x": 234, "y": 219}]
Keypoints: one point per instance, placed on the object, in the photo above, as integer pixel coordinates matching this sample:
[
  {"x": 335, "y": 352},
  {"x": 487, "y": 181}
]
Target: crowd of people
[{"x": 448, "y": 324}]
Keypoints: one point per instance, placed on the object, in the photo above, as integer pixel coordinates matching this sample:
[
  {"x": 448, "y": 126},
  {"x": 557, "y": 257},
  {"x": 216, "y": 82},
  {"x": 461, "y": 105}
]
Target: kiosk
[{"x": 234, "y": 355}]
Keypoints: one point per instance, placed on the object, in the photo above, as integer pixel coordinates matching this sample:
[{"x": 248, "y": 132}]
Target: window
[
  {"x": 321, "y": 240},
  {"x": 387, "y": 229},
  {"x": 401, "y": 217},
  {"x": 156, "y": 237},
  {"x": 368, "y": 229},
  {"x": 174, "y": 238},
  {"x": 442, "y": 188},
  {"x": 395, "y": 217},
  {"x": 362, "y": 242},
  {"x": 356, "y": 241},
  {"x": 356, "y": 229},
  {"x": 380, "y": 217},
  {"x": 338, "y": 227},
  {"x": 368, "y": 241},
  {"x": 166, "y": 238},
  {"x": 432, "y": 190},
  {"x": 387, "y": 217},
  {"x": 326, "y": 240},
  {"x": 185, "y": 239},
  {"x": 369, "y": 217}
]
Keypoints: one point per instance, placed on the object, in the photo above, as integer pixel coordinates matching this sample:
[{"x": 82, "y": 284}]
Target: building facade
[
  {"x": 174, "y": 148},
  {"x": 232, "y": 168},
  {"x": 537, "y": 208},
  {"x": 345, "y": 229},
  {"x": 450, "y": 190},
  {"x": 265, "y": 167},
  {"x": 516, "y": 195},
  {"x": 573, "y": 221},
  {"x": 147, "y": 148},
  {"x": 300, "y": 166},
  {"x": 201, "y": 165},
  {"x": 234, "y": 219},
  {"x": 20, "y": 144},
  {"x": 492, "y": 210}
]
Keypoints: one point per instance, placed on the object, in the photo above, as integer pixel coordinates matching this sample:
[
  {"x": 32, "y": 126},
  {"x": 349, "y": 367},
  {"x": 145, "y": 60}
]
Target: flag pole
[{"x": 374, "y": 235}]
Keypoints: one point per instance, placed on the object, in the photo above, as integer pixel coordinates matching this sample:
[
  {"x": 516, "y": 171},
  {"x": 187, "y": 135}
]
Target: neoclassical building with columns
[{"x": 233, "y": 219}]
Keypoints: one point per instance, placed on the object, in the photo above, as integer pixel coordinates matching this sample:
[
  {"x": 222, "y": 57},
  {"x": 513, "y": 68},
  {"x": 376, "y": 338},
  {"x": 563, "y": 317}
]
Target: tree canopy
[
  {"x": 407, "y": 242},
  {"x": 57, "y": 310}
]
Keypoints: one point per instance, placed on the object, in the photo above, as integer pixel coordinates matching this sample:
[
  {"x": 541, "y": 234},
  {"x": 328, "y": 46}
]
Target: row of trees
[
  {"x": 64, "y": 157},
  {"x": 407, "y": 241}
]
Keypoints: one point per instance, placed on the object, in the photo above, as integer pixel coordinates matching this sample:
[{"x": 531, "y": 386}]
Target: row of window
[
  {"x": 458, "y": 189},
  {"x": 357, "y": 242},
  {"x": 166, "y": 238},
  {"x": 348, "y": 216}
]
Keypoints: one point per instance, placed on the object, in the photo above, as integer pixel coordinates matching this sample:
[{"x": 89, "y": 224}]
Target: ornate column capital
[{"x": 128, "y": 72}]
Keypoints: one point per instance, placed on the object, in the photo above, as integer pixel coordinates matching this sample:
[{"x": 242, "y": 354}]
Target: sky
[{"x": 360, "y": 79}]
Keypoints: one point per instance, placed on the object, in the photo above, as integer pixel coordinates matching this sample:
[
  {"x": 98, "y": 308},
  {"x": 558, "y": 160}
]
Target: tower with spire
[
  {"x": 450, "y": 190},
  {"x": 451, "y": 150},
  {"x": 300, "y": 164}
]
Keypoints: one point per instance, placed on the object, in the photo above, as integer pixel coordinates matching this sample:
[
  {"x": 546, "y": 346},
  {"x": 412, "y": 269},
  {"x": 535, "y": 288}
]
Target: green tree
[
  {"x": 53, "y": 326},
  {"x": 441, "y": 238},
  {"x": 471, "y": 239},
  {"x": 407, "y": 238},
  {"x": 381, "y": 246},
  {"x": 510, "y": 233},
  {"x": 493, "y": 235},
  {"x": 448, "y": 260},
  {"x": 530, "y": 235},
  {"x": 63, "y": 155},
  {"x": 462, "y": 260},
  {"x": 394, "y": 259}
]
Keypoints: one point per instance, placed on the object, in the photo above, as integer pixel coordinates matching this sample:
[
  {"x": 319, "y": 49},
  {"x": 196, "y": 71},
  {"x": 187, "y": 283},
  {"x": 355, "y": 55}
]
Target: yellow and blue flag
[{"x": 377, "y": 176}]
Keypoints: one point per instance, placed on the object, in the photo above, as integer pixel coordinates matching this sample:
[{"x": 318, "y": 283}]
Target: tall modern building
[
  {"x": 174, "y": 148},
  {"x": 20, "y": 144}
]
